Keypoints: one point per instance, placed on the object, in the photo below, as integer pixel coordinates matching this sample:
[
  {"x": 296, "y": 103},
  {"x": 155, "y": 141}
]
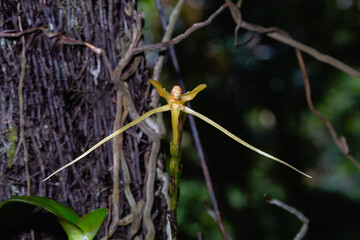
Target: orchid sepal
[
  {"x": 162, "y": 91},
  {"x": 190, "y": 95}
]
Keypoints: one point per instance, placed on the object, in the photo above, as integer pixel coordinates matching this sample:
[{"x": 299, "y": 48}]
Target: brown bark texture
[{"x": 69, "y": 102}]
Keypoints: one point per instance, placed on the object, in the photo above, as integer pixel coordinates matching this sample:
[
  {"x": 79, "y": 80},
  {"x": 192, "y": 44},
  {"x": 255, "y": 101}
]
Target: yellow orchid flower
[{"x": 176, "y": 103}]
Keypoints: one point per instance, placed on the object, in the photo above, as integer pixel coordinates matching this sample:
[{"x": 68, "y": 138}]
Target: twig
[
  {"x": 167, "y": 36},
  {"x": 164, "y": 178},
  {"x": 293, "y": 211},
  {"x": 249, "y": 26},
  {"x": 284, "y": 38},
  {"x": 99, "y": 51},
  {"x": 30, "y": 30},
  {"x": 132, "y": 69},
  {"x": 149, "y": 190},
  {"x": 108, "y": 220},
  {"x": 134, "y": 42},
  {"x": 127, "y": 181},
  {"x": 340, "y": 142},
  {"x": 195, "y": 133},
  {"x": 179, "y": 38},
  {"x": 116, "y": 167},
  {"x": 311, "y": 51},
  {"x": 21, "y": 108}
]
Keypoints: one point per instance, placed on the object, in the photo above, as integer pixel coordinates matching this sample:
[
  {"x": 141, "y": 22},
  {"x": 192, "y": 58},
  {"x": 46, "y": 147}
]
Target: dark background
[{"x": 250, "y": 86}]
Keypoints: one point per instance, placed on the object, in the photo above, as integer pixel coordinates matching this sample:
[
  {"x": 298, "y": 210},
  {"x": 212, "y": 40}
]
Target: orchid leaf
[
  {"x": 91, "y": 222},
  {"x": 76, "y": 228},
  {"x": 72, "y": 231},
  {"x": 49, "y": 205}
]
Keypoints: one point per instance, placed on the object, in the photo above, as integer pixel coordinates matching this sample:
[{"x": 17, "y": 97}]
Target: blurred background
[{"x": 257, "y": 92}]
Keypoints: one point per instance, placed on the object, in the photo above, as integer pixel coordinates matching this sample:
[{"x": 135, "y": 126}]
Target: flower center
[{"x": 176, "y": 92}]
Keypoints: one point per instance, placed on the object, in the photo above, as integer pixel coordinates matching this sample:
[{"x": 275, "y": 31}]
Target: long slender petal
[
  {"x": 214, "y": 124},
  {"x": 117, "y": 132}
]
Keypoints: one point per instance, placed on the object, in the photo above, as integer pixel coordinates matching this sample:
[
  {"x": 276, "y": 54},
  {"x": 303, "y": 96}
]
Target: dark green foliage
[{"x": 15, "y": 209}]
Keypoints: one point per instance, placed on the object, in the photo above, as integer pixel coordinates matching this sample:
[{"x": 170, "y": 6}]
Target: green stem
[{"x": 175, "y": 169}]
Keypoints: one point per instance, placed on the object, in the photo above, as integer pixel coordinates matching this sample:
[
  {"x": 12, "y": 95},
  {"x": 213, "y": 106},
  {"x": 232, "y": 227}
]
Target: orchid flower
[{"x": 176, "y": 103}]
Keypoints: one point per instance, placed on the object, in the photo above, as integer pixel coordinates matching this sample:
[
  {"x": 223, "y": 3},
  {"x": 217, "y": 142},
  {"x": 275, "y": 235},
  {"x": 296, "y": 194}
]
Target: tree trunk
[{"x": 66, "y": 100}]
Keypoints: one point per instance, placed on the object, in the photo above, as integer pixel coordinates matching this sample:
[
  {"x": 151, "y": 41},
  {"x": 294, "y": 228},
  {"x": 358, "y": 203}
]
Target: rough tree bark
[{"x": 71, "y": 100}]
